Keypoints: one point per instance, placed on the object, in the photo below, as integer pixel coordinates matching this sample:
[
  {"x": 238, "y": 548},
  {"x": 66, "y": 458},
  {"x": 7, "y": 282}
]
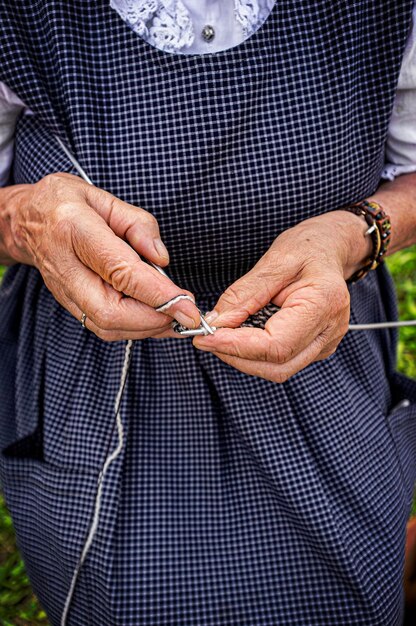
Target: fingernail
[
  {"x": 161, "y": 248},
  {"x": 185, "y": 320},
  {"x": 211, "y": 316}
]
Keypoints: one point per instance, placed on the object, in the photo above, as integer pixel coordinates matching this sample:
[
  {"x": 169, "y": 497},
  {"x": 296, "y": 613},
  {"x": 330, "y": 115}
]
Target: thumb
[
  {"x": 247, "y": 295},
  {"x": 130, "y": 223}
]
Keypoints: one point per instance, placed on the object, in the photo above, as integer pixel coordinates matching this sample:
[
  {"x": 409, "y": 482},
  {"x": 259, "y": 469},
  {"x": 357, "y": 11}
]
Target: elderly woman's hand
[
  {"x": 303, "y": 272},
  {"x": 86, "y": 244}
]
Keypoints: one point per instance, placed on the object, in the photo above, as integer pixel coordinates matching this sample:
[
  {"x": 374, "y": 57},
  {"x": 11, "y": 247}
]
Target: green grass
[
  {"x": 18, "y": 606},
  {"x": 403, "y": 268}
]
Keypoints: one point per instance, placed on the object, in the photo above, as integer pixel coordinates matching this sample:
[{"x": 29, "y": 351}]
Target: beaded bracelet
[{"x": 380, "y": 231}]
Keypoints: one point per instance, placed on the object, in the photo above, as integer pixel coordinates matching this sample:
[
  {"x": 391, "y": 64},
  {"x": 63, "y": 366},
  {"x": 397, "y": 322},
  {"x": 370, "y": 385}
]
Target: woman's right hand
[{"x": 86, "y": 244}]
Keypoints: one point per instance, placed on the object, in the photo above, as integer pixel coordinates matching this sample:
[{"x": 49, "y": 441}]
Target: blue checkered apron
[{"x": 236, "y": 501}]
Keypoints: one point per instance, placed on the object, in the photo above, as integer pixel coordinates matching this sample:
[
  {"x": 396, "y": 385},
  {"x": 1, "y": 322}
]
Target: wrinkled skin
[
  {"x": 88, "y": 245},
  {"x": 303, "y": 272}
]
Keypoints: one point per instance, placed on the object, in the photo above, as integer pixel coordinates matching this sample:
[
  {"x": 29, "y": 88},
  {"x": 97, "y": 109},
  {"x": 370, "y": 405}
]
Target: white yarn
[
  {"x": 98, "y": 498},
  {"x": 164, "y": 307},
  {"x": 116, "y": 452}
]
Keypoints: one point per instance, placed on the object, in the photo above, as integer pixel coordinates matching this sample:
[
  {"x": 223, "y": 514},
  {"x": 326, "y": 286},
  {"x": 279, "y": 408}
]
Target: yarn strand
[{"x": 110, "y": 458}]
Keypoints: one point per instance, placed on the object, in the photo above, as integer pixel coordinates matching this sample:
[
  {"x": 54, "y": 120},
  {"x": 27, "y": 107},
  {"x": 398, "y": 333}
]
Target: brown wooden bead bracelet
[{"x": 379, "y": 229}]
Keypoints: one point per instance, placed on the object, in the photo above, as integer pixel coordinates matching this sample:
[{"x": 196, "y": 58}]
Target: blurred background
[{"x": 18, "y": 605}]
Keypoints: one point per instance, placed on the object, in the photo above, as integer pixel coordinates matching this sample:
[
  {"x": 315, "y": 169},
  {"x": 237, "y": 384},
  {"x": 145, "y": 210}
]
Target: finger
[
  {"x": 111, "y": 335},
  {"x": 308, "y": 311},
  {"x": 107, "y": 335},
  {"x": 282, "y": 338},
  {"x": 137, "y": 226},
  {"x": 329, "y": 349},
  {"x": 278, "y": 373},
  {"x": 253, "y": 291},
  {"x": 105, "y": 307},
  {"x": 120, "y": 266},
  {"x": 247, "y": 343},
  {"x": 169, "y": 333},
  {"x": 314, "y": 312}
]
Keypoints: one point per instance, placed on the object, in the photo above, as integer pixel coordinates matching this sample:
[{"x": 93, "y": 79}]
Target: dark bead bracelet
[{"x": 380, "y": 231}]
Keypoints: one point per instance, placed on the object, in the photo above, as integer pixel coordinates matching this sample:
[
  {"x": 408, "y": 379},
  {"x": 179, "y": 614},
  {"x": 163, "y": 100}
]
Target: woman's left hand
[{"x": 304, "y": 273}]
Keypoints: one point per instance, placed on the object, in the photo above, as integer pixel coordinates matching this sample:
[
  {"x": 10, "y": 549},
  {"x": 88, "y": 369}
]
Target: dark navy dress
[{"x": 236, "y": 501}]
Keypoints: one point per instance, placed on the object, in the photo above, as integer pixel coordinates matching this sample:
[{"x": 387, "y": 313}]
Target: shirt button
[{"x": 208, "y": 33}]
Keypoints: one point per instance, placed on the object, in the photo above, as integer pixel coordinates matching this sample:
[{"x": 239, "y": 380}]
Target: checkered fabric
[{"x": 236, "y": 501}]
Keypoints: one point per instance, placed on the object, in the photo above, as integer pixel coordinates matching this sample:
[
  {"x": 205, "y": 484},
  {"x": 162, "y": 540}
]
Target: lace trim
[
  {"x": 168, "y": 26},
  {"x": 250, "y": 14}
]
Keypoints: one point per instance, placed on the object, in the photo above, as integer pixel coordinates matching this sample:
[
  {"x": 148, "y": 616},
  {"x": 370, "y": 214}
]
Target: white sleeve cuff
[
  {"x": 401, "y": 138},
  {"x": 391, "y": 171}
]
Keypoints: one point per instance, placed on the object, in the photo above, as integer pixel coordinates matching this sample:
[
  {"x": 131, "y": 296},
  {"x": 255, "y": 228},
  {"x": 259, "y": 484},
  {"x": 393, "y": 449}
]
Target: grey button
[{"x": 208, "y": 33}]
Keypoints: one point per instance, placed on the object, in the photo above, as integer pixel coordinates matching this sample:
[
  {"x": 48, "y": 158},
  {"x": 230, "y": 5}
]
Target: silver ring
[{"x": 83, "y": 320}]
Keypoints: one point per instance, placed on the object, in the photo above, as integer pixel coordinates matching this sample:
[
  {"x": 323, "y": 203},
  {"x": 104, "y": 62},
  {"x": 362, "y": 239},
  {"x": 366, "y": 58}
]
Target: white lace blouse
[
  {"x": 208, "y": 26},
  {"x": 193, "y": 26}
]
